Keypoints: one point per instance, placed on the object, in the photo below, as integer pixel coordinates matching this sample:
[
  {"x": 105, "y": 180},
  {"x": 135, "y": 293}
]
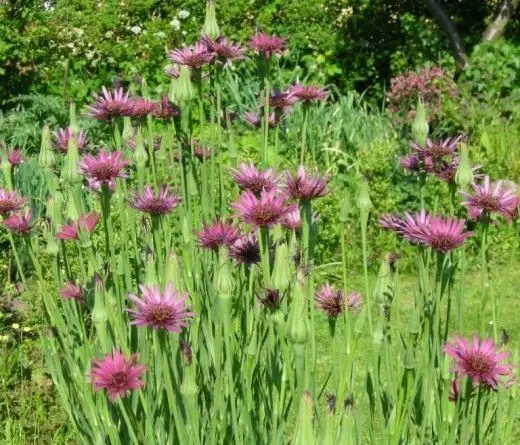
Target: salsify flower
[
  {"x": 160, "y": 310},
  {"x": 217, "y": 235},
  {"x": 141, "y": 108},
  {"x": 267, "y": 45},
  {"x": 71, "y": 291},
  {"x": 64, "y": 135},
  {"x": 117, "y": 374},
  {"x": 292, "y": 219},
  {"x": 245, "y": 250},
  {"x": 411, "y": 163},
  {"x": 103, "y": 168},
  {"x": 269, "y": 298},
  {"x": 10, "y": 202},
  {"x": 224, "y": 50},
  {"x": 439, "y": 149},
  {"x": 172, "y": 71},
  {"x": 479, "y": 360},
  {"x": 165, "y": 108},
  {"x": 202, "y": 153},
  {"x": 110, "y": 104},
  {"x": 161, "y": 203},
  {"x": 330, "y": 301},
  {"x": 491, "y": 198},
  {"x": 248, "y": 177},
  {"x": 265, "y": 210},
  {"x": 308, "y": 93},
  {"x": 71, "y": 231},
  {"x": 19, "y": 222},
  {"x": 281, "y": 101},
  {"x": 256, "y": 121},
  {"x": 354, "y": 301},
  {"x": 195, "y": 57},
  {"x": 15, "y": 158},
  {"x": 445, "y": 234},
  {"x": 306, "y": 186}
]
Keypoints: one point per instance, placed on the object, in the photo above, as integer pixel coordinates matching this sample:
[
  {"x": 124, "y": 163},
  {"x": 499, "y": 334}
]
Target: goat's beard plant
[{"x": 158, "y": 338}]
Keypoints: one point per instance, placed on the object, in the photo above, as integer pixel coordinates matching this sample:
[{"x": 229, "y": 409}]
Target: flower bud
[
  {"x": 140, "y": 155},
  {"x": 282, "y": 271},
  {"x": 364, "y": 202},
  {"x": 297, "y": 323},
  {"x": 224, "y": 279},
  {"x": 464, "y": 174},
  {"x": 69, "y": 171},
  {"x": 210, "y": 27},
  {"x": 46, "y": 157},
  {"x": 128, "y": 130},
  {"x": 182, "y": 89},
  {"x": 420, "y": 128},
  {"x": 304, "y": 433}
]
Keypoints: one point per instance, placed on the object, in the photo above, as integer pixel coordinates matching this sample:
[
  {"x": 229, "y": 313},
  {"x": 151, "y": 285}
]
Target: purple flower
[
  {"x": 217, "y": 235},
  {"x": 64, "y": 135},
  {"x": 245, "y": 250},
  {"x": 491, "y": 198},
  {"x": 306, "y": 186},
  {"x": 308, "y": 93},
  {"x": 202, "y": 153},
  {"x": 10, "y": 202},
  {"x": 479, "y": 360},
  {"x": 103, "y": 168},
  {"x": 19, "y": 223},
  {"x": 141, "y": 108},
  {"x": 223, "y": 50},
  {"x": 165, "y": 108},
  {"x": 292, "y": 219},
  {"x": 256, "y": 121},
  {"x": 110, "y": 104},
  {"x": 117, "y": 374},
  {"x": 160, "y": 310},
  {"x": 85, "y": 222},
  {"x": 281, "y": 101},
  {"x": 195, "y": 57},
  {"x": 248, "y": 177},
  {"x": 263, "y": 211},
  {"x": 270, "y": 299},
  {"x": 267, "y": 45},
  {"x": 161, "y": 203},
  {"x": 15, "y": 158},
  {"x": 71, "y": 291},
  {"x": 354, "y": 301},
  {"x": 330, "y": 301},
  {"x": 435, "y": 150}
]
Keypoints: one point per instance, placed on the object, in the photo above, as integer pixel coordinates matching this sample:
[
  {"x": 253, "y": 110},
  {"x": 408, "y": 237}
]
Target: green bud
[
  {"x": 72, "y": 211},
  {"x": 224, "y": 279},
  {"x": 304, "y": 433},
  {"x": 282, "y": 272},
  {"x": 186, "y": 232},
  {"x": 128, "y": 130},
  {"x": 345, "y": 208},
  {"x": 420, "y": 128},
  {"x": 140, "y": 155},
  {"x": 6, "y": 169},
  {"x": 409, "y": 359},
  {"x": 51, "y": 247},
  {"x": 182, "y": 89},
  {"x": 464, "y": 175},
  {"x": 210, "y": 27},
  {"x": 189, "y": 386},
  {"x": 54, "y": 208},
  {"x": 364, "y": 202},
  {"x": 46, "y": 157},
  {"x": 297, "y": 323},
  {"x": 69, "y": 171}
]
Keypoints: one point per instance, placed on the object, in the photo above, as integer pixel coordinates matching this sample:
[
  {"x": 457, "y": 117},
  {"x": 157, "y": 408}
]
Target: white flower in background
[
  {"x": 175, "y": 24},
  {"x": 109, "y": 34},
  {"x": 183, "y": 14},
  {"x": 160, "y": 35},
  {"x": 90, "y": 55},
  {"x": 136, "y": 29},
  {"x": 79, "y": 31}
]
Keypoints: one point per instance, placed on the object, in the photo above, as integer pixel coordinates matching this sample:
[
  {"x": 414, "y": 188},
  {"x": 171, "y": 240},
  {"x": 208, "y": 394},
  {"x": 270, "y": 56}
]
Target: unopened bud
[{"x": 420, "y": 128}]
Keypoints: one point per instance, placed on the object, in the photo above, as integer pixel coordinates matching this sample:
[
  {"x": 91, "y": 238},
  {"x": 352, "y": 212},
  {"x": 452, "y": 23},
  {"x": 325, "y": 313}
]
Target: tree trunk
[
  {"x": 443, "y": 19},
  {"x": 497, "y": 27}
]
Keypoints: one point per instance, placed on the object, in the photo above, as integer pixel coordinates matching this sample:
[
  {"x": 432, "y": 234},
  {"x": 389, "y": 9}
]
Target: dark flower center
[
  {"x": 443, "y": 242},
  {"x": 160, "y": 314},
  {"x": 105, "y": 172},
  {"x": 120, "y": 379},
  {"x": 266, "y": 215},
  {"x": 479, "y": 364},
  {"x": 488, "y": 203}
]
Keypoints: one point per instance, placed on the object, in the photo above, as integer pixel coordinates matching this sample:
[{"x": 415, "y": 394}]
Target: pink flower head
[
  {"x": 292, "y": 219},
  {"x": 479, "y": 360},
  {"x": 223, "y": 50},
  {"x": 195, "y": 57},
  {"x": 141, "y": 108},
  {"x": 85, "y": 222},
  {"x": 160, "y": 310},
  {"x": 269, "y": 298},
  {"x": 308, "y": 93},
  {"x": 217, "y": 235},
  {"x": 19, "y": 222},
  {"x": 64, "y": 135},
  {"x": 103, "y": 168},
  {"x": 306, "y": 186},
  {"x": 172, "y": 71},
  {"x": 110, "y": 104},
  {"x": 256, "y": 121},
  {"x": 491, "y": 198},
  {"x": 354, "y": 301},
  {"x": 165, "y": 108},
  {"x": 248, "y": 177},
  {"x": 264, "y": 211},
  {"x": 330, "y": 301},
  {"x": 245, "y": 250},
  {"x": 445, "y": 234},
  {"x": 15, "y": 158},
  {"x": 161, "y": 203},
  {"x": 202, "y": 153},
  {"x": 411, "y": 163},
  {"x": 282, "y": 101},
  {"x": 71, "y": 291},
  {"x": 267, "y": 45},
  {"x": 445, "y": 147},
  {"x": 10, "y": 202},
  {"x": 117, "y": 374}
]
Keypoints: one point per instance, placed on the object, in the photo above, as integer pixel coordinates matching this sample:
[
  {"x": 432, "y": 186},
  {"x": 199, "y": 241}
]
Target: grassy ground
[{"x": 29, "y": 409}]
